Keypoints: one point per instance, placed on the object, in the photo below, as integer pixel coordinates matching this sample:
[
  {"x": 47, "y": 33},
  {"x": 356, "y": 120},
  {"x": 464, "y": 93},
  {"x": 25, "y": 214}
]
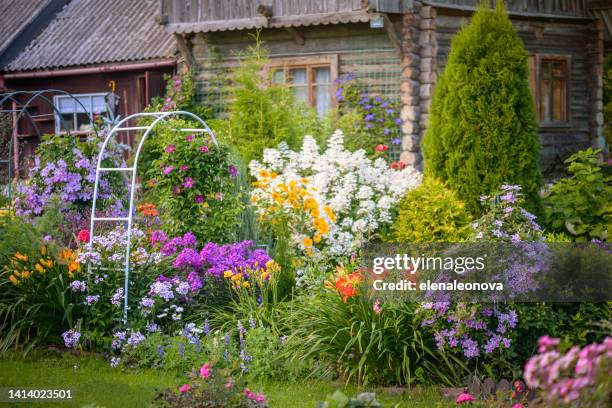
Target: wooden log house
[{"x": 397, "y": 48}]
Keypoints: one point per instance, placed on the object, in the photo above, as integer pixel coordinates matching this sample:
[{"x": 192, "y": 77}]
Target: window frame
[
  {"x": 535, "y": 79},
  {"x": 309, "y": 63},
  {"x": 59, "y": 130}
]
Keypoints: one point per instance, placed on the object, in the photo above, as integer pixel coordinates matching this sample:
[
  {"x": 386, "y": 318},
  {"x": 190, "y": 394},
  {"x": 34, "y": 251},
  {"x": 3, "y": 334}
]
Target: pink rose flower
[
  {"x": 205, "y": 370},
  {"x": 464, "y": 397},
  {"x": 184, "y": 388}
]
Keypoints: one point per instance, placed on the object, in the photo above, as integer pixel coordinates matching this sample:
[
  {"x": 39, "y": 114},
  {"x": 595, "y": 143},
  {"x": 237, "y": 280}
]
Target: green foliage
[
  {"x": 193, "y": 184},
  {"x": 180, "y": 95},
  {"x": 262, "y": 114},
  {"x": 574, "y": 323},
  {"x": 482, "y": 129},
  {"x": 389, "y": 347},
  {"x": 581, "y": 205},
  {"x": 339, "y": 400},
  {"x": 431, "y": 213},
  {"x": 607, "y": 98},
  {"x": 17, "y": 235},
  {"x": 36, "y": 304}
]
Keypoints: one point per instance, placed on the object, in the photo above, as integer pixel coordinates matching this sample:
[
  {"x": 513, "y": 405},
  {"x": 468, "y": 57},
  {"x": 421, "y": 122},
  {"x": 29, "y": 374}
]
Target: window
[
  {"x": 77, "y": 115},
  {"x": 312, "y": 81},
  {"x": 549, "y": 80}
]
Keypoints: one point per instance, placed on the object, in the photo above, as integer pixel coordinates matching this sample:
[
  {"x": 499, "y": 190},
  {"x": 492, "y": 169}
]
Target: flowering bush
[
  {"x": 505, "y": 219},
  {"x": 211, "y": 387},
  {"x": 65, "y": 171},
  {"x": 579, "y": 377},
  {"x": 193, "y": 185},
  {"x": 380, "y": 117},
  {"x": 35, "y": 301},
  {"x": 472, "y": 330},
  {"x": 334, "y": 201}
]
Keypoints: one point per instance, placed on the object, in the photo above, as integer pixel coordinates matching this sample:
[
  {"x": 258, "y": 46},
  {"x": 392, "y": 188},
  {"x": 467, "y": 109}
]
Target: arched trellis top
[
  {"x": 123, "y": 126},
  {"x": 18, "y": 110}
]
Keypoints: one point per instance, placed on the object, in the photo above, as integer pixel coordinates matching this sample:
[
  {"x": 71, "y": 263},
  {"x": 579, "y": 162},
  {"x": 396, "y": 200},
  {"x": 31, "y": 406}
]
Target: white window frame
[{"x": 56, "y": 100}]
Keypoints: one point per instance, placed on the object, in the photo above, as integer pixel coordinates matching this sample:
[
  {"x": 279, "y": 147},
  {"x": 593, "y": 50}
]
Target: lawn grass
[{"x": 94, "y": 383}]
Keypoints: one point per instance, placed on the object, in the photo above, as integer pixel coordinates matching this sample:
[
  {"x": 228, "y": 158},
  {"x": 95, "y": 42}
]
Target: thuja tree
[{"x": 482, "y": 129}]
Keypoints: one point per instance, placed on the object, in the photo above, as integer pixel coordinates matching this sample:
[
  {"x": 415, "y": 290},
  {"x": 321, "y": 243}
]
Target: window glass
[
  {"x": 322, "y": 75},
  {"x": 299, "y": 76},
  {"x": 76, "y": 115},
  {"x": 98, "y": 104},
  {"x": 66, "y": 105},
  {"x": 553, "y": 77},
  {"x": 278, "y": 76}
]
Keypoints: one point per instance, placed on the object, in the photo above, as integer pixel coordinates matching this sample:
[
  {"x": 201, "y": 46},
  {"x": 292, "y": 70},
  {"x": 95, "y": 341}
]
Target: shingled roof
[
  {"x": 91, "y": 32},
  {"x": 14, "y": 16}
]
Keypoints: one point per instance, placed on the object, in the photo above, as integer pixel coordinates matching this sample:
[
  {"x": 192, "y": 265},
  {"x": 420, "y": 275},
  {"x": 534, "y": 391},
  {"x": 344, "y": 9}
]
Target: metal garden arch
[
  {"x": 19, "y": 110},
  {"x": 121, "y": 126}
]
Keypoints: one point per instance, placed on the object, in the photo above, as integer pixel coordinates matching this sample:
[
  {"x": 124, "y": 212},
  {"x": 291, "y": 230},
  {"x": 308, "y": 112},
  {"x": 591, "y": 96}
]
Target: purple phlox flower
[
  {"x": 396, "y": 141},
  {"x": 188, "y": 182},
  {"x": 183, "y": 288},
  {"x": 470, "y": 347},
  {"x": 233, "y": 171},
  {"x": 199, "y": 199},
  {"x": 117, "y": 297},
  {"x": 78, "y": 286},
  {"x": 167, "y": 170},
  {"x": 184, "y": 168},
  {"x": 146, "y": 303},
  {"x": 170, "y": 148},
  {"x": 135, "y": 339},
  {"x": 386, "y": 131},
  {"x": 71, "y": 338},
  {"x": 195, "y": 282},
  {"x": 152, "y": 327},
  {"x": 91, "y": 299},
  {"x": 162, "y": 289},
  {"x": 204, "y": 149},
  {"x": 189, "y": 138},
  {"x": 158, "y": 236}
]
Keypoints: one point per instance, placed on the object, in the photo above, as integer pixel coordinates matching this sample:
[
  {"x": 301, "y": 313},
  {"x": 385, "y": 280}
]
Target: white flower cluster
[
  {"x": 360, "y": 191},
  {"x": 111, "y": 247}
]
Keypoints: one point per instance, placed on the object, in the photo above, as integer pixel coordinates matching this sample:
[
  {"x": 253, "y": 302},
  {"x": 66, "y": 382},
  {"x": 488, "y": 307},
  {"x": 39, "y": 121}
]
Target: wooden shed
[
  {"x": 397, "y": 48},
  {"x": 88, "y": 48}
]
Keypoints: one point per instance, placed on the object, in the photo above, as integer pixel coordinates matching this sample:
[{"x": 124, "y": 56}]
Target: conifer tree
[{"x": 482, "y": 128}]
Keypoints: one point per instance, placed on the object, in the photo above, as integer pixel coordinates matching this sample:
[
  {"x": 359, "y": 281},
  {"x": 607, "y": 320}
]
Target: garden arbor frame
[
  {"x": 18, "y": 110},
  {"x": 123, "y": 126}
]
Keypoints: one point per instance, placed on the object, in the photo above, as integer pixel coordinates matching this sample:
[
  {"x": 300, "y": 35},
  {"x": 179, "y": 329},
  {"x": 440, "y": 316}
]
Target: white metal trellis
[{"x": 123, "y": 126}]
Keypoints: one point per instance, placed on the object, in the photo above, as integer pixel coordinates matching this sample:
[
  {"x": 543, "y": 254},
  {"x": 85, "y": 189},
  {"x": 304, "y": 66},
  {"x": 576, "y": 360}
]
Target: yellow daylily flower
[
  {"x": 13, "y": 279},
  {"x": 20, "y": 257},
  {"x": 39, "y": 268}
]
